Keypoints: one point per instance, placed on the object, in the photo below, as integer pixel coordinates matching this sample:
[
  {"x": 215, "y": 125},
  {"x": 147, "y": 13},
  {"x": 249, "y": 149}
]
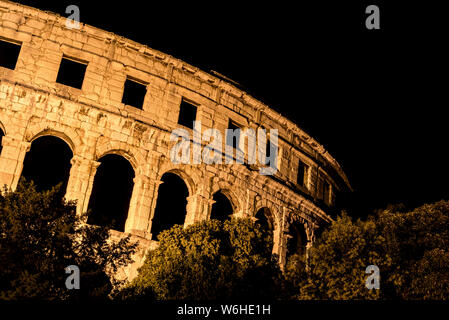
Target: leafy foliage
[
  {"x": 418, "y": 243},
  {"x": 40, "y": 235},
  {"x": 337, "y": 262},
  {"x": 410, "y": 249},
  {"x": 210, "y": 260}
]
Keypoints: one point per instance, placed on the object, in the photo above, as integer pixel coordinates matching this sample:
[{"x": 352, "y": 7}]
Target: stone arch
[
  {"x": 48, "y": 162},
  {"x": 37, "y": 128},
  {"x": 226, "y": 188},
  {"x": 297, "y": 238},
  {"x": 111, "y": 192},
  {"x": 263, "y": 203},
  {"x": 171, "y": 203},
  {"x": 106, "y": 146},
  {"x": 53, "y": 133},
  {"x": 191, "y": 185},
  {"x": 232, "y": 196},
  {"x": 192, "y": 179},
  {"x": 266, "y": 219},
  {"x": 276, "y": 229},
  {"x": 222, "y": 207},
  {"x": 124, "y": 154}
]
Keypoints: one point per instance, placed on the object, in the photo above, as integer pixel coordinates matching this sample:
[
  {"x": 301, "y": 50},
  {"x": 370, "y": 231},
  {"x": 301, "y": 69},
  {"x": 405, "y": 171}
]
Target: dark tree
[
  {"x": 410, "y": 249},
  {"x": 40, "y": 235},
  {"x": 210, "y": 260}
]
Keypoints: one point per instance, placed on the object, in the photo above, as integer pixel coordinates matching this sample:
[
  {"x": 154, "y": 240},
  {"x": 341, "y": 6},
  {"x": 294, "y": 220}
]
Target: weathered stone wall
[{"x": 94, "y": 122}]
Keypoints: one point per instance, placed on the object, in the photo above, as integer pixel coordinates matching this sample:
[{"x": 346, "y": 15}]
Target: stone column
[
  {"x": 277, "y": 239},
  {"x": 283, "y": 238},
  {"x": 250, "y": 203},
  {"x": 140, "y": 207},
  {"x": 79, "y": 186},
  {"x": 153, "y": 190},
  {"x": 209, "y": 209},
  {"x": 237, "y": 214},
  {"x": 11, "y": 160},
  {"x": 310, "y": 231},
  {"x": 197, "y": 208}
]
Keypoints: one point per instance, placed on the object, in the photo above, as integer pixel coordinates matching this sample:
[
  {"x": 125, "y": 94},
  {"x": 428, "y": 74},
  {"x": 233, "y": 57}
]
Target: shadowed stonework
[{"x": 39, "y": 97}]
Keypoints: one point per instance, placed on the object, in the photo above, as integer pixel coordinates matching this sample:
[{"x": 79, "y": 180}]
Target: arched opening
[
  {"x": 111, "y": 192},
  {"x": 48, "y": 163},
  {"x": 298, "y": 239},
  {"x": 265, "y": 220},
  {"x": 222, "y": 207},
  {"x": 171, "y": 205}
]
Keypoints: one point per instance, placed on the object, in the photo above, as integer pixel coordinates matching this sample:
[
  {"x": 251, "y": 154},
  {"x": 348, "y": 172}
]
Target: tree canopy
[
  {"x": 210, "y": 260},
  {"x": 410, "y": 249},
  {"x": 41, "y": 235}
]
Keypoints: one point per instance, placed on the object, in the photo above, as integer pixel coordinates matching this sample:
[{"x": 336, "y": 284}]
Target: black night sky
[{"x": 374, "y": 98}]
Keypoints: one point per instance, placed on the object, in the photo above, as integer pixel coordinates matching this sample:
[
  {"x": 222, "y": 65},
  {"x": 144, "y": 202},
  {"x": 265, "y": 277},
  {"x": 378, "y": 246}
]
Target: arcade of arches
[{"x": 49, "y": 161}]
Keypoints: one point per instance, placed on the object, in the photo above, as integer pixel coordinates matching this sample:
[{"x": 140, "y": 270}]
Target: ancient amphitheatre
[{"x": 106, "y": 107}]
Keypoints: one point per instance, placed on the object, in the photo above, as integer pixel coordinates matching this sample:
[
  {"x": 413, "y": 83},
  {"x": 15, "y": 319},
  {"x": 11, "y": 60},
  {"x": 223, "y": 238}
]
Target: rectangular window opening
[
  {"x": 302, "y": 174},
  {"x": 71, "y": 72},
  {"x": 9, "y": 53},
  {"x": 187, "y": 114},
  {"x": 270, "y": 148},
  {"x": 134, "y": 93},
  {"x": 233, "y": 138}
]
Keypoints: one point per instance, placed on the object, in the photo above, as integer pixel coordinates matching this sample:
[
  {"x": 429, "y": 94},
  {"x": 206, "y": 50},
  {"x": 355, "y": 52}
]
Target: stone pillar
[
  {"x": 277, "y": 233},
  {"x": 250, "y": 204},
  {"x": 239, "y": 213},
  {"x": 79, "y": 186},
  {"x": 310, "y": 231},
  {"x": 283, "y": 238},
  {"x": 153, "y": 190},
  {"x": 246, "y": 206},
  {"x": 197, "y": 208},
  {"x": 11, "y": 160},
  {"x": 140, "y": 207},
  {"x": 209, "y": 209},
  {"x": 277, "y": 239}
]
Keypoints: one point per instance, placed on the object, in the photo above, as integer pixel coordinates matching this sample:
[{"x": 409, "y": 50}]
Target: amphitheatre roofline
[{"x": 212, "y": 77}]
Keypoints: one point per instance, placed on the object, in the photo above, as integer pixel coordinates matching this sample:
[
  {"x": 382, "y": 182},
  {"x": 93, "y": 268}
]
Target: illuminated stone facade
[{"x": 94, "y": 122}]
